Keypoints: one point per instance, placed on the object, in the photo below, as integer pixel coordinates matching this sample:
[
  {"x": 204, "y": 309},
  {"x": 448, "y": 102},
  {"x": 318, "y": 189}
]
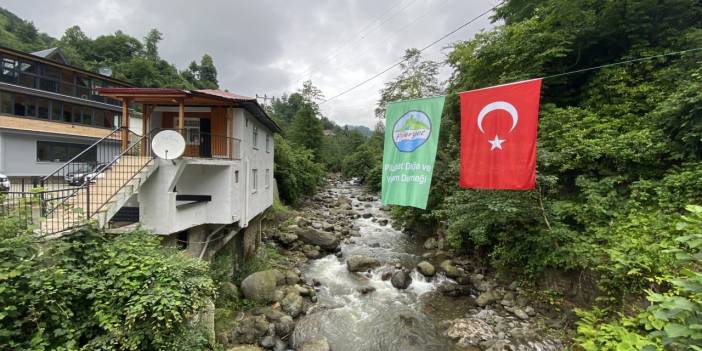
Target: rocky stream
[{"x": 361, "y": 284}]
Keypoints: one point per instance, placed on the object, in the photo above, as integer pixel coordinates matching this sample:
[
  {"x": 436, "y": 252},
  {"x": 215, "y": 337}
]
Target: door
[{"x": 205, "y": 138}]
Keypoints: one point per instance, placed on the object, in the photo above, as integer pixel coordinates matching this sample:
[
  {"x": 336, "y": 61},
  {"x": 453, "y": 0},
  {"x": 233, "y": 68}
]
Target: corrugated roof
[{"x": 224, "y": 94}]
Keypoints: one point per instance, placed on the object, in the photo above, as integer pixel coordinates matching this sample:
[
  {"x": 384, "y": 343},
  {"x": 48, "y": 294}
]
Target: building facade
[{"x": 50, "y": 111}]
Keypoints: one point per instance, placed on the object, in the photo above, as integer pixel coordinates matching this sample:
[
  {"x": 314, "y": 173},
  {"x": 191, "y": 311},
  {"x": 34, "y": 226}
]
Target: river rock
[
  {"x": 260, "y": 286},
  {"x": 287, "y": 238},
  {"x": 292, "y": 304},
  {"x": 470, "y": 331},
  {"x": 245, "y": 348},
  {"x": 267, "y": 342},
  {"x": 450, "y": 270},
  {"x": 486, "y": 298},
  {"x": 358, "y": 263},
  {"x": 284, "y": 326},
  {"x": 366, "y": 215},
  {"x": 383, "y": 221},
  {"x": 318, "y": 343},
  {"x": 430, "y": 244},
  {"x": 302, "y": 222},
  {"x": 326, "y": 241},
  {"x": 401, "y": 279},
  {"x": 365, "y": 290},
  {"x": 426, "y": 268}
]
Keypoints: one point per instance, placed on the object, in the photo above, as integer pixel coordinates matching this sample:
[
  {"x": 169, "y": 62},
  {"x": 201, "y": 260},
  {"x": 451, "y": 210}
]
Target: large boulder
[
  {"x": 401, "y": 279},
  {"x": 450, "y": 270},
  {"x": 326, "y": 241},
  {"x": 318, "y": 343},
  {"x": 260, "y": 286},
  {"x": 426, "y": 268},
  {"x": 359, "y": 263}
]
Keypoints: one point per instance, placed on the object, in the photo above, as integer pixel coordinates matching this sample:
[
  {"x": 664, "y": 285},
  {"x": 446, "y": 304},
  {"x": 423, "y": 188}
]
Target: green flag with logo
[{"x": 411, "y": 138}]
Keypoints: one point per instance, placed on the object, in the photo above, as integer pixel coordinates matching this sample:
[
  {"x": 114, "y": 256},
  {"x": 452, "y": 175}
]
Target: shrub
[{"x": 91, "y": 292}]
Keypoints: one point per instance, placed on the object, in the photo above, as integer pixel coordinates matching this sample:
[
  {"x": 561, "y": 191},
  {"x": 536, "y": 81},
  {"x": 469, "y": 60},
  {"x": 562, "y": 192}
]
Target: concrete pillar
[{"x": 196, "y": 239}]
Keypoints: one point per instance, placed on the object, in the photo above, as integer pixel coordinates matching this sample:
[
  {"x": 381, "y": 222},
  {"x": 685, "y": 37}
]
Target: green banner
[{"x": 411, "y": 138}]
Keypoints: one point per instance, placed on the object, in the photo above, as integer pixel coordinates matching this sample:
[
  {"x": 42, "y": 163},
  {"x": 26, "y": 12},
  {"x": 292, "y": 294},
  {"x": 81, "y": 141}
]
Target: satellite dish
[
  {"x": 105, "y": 71},
  {"x": 168, "y": 145}
]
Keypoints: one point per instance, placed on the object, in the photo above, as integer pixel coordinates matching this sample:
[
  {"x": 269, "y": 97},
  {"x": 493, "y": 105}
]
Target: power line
[
  {"x": 640, "y": 59},
  {"x": 420, "y": 51}
]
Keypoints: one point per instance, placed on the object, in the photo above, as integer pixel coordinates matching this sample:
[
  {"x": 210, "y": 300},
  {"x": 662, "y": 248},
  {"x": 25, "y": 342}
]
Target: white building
[{"x": 221, "y": 184}]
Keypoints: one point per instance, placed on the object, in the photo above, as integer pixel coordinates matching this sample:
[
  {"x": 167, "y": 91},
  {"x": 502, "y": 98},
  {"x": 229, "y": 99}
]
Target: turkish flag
[{"x": 498, "y": 136}]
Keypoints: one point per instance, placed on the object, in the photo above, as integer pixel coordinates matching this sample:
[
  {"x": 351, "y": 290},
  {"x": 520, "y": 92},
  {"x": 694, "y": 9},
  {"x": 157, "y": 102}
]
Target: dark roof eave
[
  {"x": 261, "y": 115},
  {"x": 65, "y": 65}
]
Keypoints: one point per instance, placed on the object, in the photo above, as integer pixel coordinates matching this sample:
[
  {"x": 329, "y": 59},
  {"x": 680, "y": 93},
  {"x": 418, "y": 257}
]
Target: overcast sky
[{"x": 270, "y": 47}]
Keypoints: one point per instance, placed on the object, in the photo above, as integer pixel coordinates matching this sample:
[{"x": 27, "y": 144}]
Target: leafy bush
[
  {"x": 674, "y": 319},
  {"x": 96, "y": 293},
  {"x": 295, "y": 171}
]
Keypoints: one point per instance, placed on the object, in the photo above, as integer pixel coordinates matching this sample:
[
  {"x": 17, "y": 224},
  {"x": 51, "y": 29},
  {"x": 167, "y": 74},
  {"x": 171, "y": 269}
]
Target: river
[{"x": 388, "y": 318}]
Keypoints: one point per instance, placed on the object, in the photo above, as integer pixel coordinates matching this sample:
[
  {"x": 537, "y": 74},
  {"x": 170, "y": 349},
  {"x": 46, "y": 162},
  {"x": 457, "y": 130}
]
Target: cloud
[{"x": 270, "y": 47}]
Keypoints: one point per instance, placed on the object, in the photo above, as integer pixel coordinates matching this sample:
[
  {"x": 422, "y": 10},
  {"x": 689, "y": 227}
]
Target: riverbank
[{"x": 353, "y": 282}]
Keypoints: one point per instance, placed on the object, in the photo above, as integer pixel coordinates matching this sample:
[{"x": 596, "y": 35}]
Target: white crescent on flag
[{"x": 498, "y": 105}]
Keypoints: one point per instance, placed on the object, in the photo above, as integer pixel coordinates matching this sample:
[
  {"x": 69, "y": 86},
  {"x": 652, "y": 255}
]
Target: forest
[{"x": 619, "y": 155}]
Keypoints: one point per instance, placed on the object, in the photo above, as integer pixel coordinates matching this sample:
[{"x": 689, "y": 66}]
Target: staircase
[{"x": 102, "y": 193}]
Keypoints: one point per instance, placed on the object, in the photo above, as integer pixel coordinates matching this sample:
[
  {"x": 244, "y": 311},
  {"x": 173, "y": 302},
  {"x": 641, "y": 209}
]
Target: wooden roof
[{"x": 204, "y": 97}]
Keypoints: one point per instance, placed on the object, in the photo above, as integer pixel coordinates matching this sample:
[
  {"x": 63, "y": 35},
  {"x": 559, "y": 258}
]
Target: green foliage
[
  {"x": 22, "y": 35},
  {"x": 418, "y": 79},
  {"x": 296, "y": 172},
  {"x": 618, "y": 148},
  {"x": 130, "y": 59},
  {"x": 673, "y": 320},
  {"x": 96, "y": 293},
  {"x": 306, "y": 131},
  {"x": 366, "y": 163}
]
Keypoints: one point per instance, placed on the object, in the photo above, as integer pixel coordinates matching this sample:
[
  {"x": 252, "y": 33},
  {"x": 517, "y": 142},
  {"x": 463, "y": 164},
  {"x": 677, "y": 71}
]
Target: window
[
  {"x": 9, "y": 72},
  {"x": 52, "y": 151},
  {"x": 191, "y": 130},
  {"x": 25, "y": 106},
  {"x": 268, "y": 178},
  {"x": 255, "y": 137},
  {"x": 6, "y": 103},
  {"x": 254, "y": 180},
  {"x": 268, "y": 143},
  {"x": 43, "y": 108}
]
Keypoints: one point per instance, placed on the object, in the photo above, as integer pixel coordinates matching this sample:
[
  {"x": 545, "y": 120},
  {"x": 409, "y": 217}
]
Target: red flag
[{"x": 498, "y": 136}]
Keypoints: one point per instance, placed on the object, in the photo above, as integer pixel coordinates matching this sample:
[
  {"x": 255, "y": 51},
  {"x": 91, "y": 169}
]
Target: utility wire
[
  {"x": 420, "y": 51},
  {"x": 622, "y": 62}
]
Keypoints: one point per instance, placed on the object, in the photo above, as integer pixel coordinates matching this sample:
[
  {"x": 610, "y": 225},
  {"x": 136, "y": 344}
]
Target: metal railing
[
  {"x": 82, "y": 187},
  {"x": 206, "y": 145}
]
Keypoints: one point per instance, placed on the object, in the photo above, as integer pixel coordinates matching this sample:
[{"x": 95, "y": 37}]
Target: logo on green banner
[{"x": 411, "y": 137}]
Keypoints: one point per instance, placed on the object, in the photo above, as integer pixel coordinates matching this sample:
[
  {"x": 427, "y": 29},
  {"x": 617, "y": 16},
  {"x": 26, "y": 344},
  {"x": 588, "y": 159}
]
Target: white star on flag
[{"x": 496, "y": 143}]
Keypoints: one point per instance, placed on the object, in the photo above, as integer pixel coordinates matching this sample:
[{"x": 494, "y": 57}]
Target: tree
[
  {"x": 418, "y": 79},
  {"x": 151, "y": 43},
  {"x": 306, "y": 131},
  {"x": 311, "y": 95},
  {"x": 207, "y": 73}
]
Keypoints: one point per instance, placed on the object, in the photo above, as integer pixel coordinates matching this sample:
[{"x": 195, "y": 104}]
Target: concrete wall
[
  {"x": 254, "y": 157},
  {"x": 18, "y": 152},
  {"x": 228, "y": 182}
]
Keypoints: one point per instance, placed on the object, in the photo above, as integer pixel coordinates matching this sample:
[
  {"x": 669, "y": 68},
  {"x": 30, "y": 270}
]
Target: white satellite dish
[{"x": 168, "y": 145}]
